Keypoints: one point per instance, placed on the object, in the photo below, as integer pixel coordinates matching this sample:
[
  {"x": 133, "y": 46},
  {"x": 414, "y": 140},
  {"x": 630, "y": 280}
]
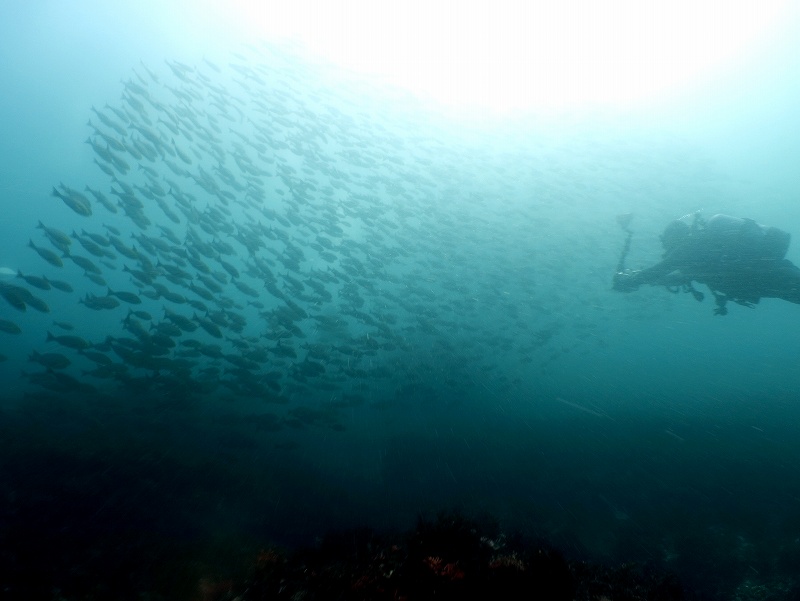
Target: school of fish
[{"x": 252, "y": 237}]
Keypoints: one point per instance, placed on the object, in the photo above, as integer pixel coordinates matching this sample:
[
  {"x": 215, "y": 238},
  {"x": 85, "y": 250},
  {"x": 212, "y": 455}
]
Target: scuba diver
[{"x": 738, "y": 259}]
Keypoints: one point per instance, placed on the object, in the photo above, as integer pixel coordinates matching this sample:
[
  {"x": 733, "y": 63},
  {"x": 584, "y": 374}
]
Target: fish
[
  {"x": 47, "y": 255},
  {"x": 128, "y": 297},
  {"x": 90, "y": 246},
  {"x": 140, "y": 314},
  {"x": 201, "y": 292},
  {"x": 181, "y": 154},
  {"x": 96, "y": 279},
  {"x": 122, "y": 248},
  {"x": 184, "y": 323},
  {"x": 60, "y": 382},
  {"x": 168, "y": 294},
  {"x": 56, "y": 236},
  {"x": 112, "y": 229},
  {"x": 102, "y": 198},
  {"x": 60, "y": 285},
  {"x": 108, "y": 171},
  {"x": 85, "y": 264},
  {"x": 98, "y": 303},
  {"x": 208, "y": 326},
  {"x": 106, "y": 120},
  {"x": 38, "y": 282},
  {"x": 232, "y": 271},
  {"x": 74, "y": 200},
  {"x": 50, "y": 360},
  {"x": 99, "y": 149},
  {"x": 34, "y": 301},
  {"x": 14, "y": 295},
  {"x": 97, "y": 357},
  {"x": 74, "y": 342},
  {"x": 9, "y": 327}
]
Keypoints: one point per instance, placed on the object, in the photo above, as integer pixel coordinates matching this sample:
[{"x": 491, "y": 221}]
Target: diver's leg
[{"x": 783, "y": 281}]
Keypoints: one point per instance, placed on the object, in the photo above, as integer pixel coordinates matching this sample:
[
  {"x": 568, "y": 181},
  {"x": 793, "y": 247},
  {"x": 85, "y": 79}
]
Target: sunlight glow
[{"x": 516, "y": 55}]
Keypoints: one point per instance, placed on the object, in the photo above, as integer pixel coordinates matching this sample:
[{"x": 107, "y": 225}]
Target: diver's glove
[{"x": 625, "y": 281}]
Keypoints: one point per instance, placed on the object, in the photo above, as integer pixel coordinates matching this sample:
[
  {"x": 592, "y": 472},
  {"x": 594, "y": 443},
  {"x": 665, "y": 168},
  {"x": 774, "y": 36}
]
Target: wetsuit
[{"x": 738, "y": 259}]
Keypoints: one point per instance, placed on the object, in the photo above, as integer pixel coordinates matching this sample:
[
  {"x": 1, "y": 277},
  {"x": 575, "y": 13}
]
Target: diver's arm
[
  {"x": 630, "y": 280},
  {"x": 657, "y": 275}
]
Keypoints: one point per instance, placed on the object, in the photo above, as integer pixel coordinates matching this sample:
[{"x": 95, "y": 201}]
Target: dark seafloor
[{"x": 268, "y": 315}]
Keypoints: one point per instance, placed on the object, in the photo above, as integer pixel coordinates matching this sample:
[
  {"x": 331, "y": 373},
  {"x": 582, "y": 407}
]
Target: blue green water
[{"x": 440, "y": 329}]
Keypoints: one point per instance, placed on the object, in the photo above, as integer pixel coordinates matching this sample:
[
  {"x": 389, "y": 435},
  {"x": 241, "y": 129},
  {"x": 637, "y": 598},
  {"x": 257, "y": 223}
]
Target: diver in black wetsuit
[{"x": 738, "y": 259}]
